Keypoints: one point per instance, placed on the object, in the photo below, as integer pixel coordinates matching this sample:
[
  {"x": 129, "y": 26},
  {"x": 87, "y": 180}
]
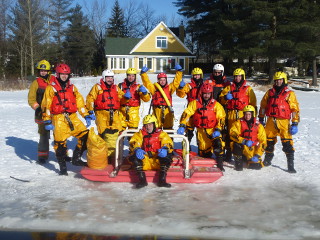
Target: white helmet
[
  {"x": 218, "y": 67},
  {"x": 107, "y": 73}
]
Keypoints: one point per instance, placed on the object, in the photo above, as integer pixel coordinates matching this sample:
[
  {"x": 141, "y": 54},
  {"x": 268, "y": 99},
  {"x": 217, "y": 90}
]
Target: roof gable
[{"x": 148, "y": 43}]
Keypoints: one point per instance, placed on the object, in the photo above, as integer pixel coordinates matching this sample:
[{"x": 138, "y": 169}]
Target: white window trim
[{"x": 166, "y": 39}]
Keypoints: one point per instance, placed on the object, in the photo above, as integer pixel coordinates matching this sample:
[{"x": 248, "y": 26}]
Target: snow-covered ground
[{"x": 265, "y": 204}]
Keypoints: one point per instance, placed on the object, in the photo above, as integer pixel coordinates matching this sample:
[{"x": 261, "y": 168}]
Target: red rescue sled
[{"x": 187, "y": 167}]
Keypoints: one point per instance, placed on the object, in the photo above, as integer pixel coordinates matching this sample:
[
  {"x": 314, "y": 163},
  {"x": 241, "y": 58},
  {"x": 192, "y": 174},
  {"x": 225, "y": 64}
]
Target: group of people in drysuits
[{"x": 223, "y": 113}]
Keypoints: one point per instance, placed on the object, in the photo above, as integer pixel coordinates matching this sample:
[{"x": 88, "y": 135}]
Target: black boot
[
  {"x": 290, "y": 159},
  {"x": 142, "y": 180},
  {"x": 228, "y": 156},
  {"x": 76, "y": 158},
  {"x": 220, "y": 162},
  {"x": 238, "y": 164},
  {"x": 63, "y": 167},
  {"x": 163, "y": 179},
  {"x": 267, "y": 159}
]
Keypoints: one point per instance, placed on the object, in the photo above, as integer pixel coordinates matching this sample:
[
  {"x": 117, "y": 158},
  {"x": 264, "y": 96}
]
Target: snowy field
[{"x": 265, "y": 204}]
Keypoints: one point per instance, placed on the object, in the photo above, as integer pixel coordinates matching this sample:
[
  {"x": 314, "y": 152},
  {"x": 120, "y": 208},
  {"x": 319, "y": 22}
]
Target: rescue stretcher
[{"x": 187, "y": 167}]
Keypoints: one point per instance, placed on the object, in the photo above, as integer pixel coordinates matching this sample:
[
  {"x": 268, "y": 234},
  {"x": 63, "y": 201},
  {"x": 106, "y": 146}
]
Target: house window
[
  {"x": 113, "y": 63},
  {"x": 140, "y": 63},
  {"x": 181, "y": 62},
  {"x": 162, "y": 42},
  {"x": 149, "y": 63},
  {"x": 173, "y": 63},
  {"x": 122, "y": 63}
]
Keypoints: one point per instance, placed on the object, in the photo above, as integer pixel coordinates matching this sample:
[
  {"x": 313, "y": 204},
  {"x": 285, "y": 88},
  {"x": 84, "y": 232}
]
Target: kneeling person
[
  {"x": 151, "y": 149},
  {"x": 249, "y": 140}
]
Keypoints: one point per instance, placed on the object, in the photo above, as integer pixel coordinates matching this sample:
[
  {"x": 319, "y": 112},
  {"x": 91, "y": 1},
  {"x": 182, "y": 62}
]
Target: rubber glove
[
  {"x": 140, "y": 153},
  {"x": 48, "y": 125},
  {"x": 248, "y": 143},
  {"x": 163, "y": 152},
  {"x": 228, "y": 96},
  {"x": 142, "y": 89},
  {"x": 144, "y": 69}
]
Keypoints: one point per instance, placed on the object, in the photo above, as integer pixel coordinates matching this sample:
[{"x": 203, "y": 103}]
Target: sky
[
  {"x": 161, "y": 7},
  {"x": 253, "y": 204}
]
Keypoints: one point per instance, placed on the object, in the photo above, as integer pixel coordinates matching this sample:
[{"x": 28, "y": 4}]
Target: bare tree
[
  {"x": 147, "y": 20},
  {"x": 131, "y": 18},
  {"x": 27, "y": 31},
  {"x": 4, "y": 22}
]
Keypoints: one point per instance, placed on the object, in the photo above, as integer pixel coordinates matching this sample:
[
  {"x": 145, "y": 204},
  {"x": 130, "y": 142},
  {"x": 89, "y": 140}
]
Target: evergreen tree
[
  {"x": 79, "y": 43},
  {"x": 116, "y": 22},
  {"x": 59, "y": 13}
]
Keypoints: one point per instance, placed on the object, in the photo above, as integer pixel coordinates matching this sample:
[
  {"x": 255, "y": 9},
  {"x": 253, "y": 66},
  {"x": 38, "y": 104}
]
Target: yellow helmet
[
  {"x": 239, "y": 71},
  {"x": 150, "y": 119},
  {"x": 280, "y": 75},
  {"x": 43, "y": 65},
  {"x": 197, "y": 71},
  {"x": 250, "y": 108},
  {"x": 131, "y": 71}
]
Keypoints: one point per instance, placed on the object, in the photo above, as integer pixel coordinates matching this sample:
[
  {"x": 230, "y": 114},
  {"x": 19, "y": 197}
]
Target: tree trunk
[
  {"x": 272, "y": 69},
  {"x": 31, "y": 38},
  {"x": 314, "y": 72}
]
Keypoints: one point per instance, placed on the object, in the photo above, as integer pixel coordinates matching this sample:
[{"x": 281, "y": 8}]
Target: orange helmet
[
  {"x": 63, "y": 68},
  {"x": 206, "y": 88}
]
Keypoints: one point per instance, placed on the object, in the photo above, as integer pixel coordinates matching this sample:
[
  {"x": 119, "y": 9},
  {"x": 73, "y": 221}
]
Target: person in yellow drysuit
[
  {"x": 192, "y": 91},
  {"x": 35, "y": 97},
  {"x": 60, "y": 105},
  {"x": 209, "y": 118},
  {"x": 161, "y": 109},
  {"x": 248, "y": 140},
  {"x": 135, "y": 93},
  {"x": 151, "y": 149},
  {"x": 104, "y": 99},
  {"x": 234, "y": 98},
  {"x": 280, "y": 105}
]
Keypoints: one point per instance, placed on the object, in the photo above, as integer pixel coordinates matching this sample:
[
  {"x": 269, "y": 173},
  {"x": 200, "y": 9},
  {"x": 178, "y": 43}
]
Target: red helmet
[
  {"x": 161, "y": 75},
  {"x": 63, "y": 68},
  {"x": 206, "y": 88}
]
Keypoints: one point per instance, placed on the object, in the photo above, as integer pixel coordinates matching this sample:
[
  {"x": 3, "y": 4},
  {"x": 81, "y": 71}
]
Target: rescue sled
[{"x": 187, "y": 167}]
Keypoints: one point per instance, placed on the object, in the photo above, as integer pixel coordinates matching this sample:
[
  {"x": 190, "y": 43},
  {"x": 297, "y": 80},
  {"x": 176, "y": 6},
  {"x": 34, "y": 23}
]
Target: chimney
[{"x": 181, "y": 32}]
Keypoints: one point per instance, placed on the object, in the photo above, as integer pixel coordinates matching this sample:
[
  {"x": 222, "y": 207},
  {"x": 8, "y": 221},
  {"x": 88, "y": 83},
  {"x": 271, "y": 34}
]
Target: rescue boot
[
  {"x": 228, "y": 156},
  {"x": 63, "y": 169},
  {"x": 220, "y": 162},
  {"x": 76, "y": 158},
  {"x": 142, "y": 180},
  {"x": 238, "y": 164},
  {"x": 163, "y": 178},
  {"x": 267, "y": 159},
  {"x": 290, "y": 159},
  {"x": 41, "y": 160}
]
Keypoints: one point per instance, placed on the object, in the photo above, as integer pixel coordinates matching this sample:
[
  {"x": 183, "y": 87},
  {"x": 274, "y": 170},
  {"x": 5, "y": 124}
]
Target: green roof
[
  {"x": 120, "y": 46},
  {"x": 163, "y": 53}
]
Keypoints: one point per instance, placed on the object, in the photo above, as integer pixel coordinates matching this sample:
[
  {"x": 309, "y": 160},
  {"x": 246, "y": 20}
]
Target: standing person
[
  {"x": 162, "y": 95},
  {"x": 208, "y": 117},
  {"x": 280, "y": 105},
  {"x": 104, "y": 99},
  {"x": 248, "y": 140},
  {"x": 60, "y": 105},
  {"x": 151, "y": 149},
  {"x": 135, "y": 93},
  {"x": 35, "y": 97},
  {"x": 219, "y": 80},
  {"x": 191, "y": 90},
  {"x": 234, "y": 98}
]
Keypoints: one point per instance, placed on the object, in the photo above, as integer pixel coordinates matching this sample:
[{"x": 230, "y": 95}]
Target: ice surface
[{"x": 265, "y": 204}]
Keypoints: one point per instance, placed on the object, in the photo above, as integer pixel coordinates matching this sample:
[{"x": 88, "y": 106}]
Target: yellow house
[{"x": 160, "y": 51}]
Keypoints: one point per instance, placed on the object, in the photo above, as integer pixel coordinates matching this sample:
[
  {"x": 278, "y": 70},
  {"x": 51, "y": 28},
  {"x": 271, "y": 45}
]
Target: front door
[{"x": 161, "y": 64}]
